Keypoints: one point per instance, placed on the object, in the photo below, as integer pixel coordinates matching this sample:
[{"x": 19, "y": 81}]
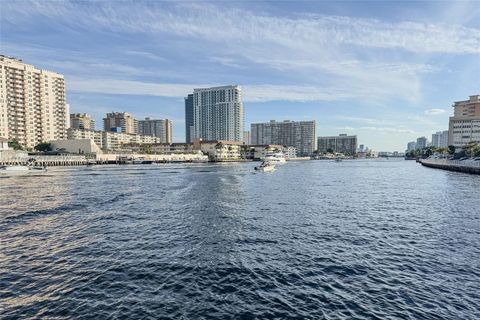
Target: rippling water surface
[{"x": 317, "y": 239}]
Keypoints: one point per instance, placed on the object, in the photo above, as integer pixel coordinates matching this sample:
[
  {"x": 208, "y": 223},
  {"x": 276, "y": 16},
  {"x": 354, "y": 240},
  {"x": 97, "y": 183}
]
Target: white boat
[
  {"x": 141, "y": 160},
  {"x": 19, "y": 169},
  {"x": 275, "y": 157},
  {"x": 265, "y": 167}
]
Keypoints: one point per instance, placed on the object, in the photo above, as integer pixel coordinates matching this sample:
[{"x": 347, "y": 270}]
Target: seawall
[{"x": 453, "y": 165}]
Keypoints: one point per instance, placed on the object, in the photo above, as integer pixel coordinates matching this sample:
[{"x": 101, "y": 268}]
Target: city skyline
[{"x": 386, "y": 72}]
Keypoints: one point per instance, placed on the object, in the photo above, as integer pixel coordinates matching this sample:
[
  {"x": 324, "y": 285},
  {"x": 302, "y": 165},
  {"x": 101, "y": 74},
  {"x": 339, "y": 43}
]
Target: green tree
[
  {"x": 43, "y": 147},
  {"x": 15, "y": 145},
  {"x": 451, "y": 150}
]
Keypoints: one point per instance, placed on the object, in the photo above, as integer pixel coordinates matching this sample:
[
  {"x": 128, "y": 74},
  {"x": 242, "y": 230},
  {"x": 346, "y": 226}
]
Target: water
[{"x": 318, "y": 239}]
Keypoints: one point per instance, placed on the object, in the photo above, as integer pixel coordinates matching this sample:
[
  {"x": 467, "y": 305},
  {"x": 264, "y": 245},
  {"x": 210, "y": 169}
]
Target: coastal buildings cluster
[
  {"x": 463, "y": 127},
  {"x": 34, "y": 111}
]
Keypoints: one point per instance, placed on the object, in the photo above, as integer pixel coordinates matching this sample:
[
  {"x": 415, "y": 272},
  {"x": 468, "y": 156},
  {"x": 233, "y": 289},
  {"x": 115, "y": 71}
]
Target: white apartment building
[
  {"x": 440, "y": 139},
  {"x": 32, "y": 103},
  {"x": 158, "y": 128},
  {"x": 217, "y": 114},
  {"x": 464, "y": 126},
  {"x": 298, "y": 134},
  {"x": 111, "y": 141}
]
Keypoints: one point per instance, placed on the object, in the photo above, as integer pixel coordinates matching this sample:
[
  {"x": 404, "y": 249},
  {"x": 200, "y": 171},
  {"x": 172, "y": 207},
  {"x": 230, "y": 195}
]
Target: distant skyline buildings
[
  {"x": 342, "y": 143},
  {"x": 218, "y": 114},
  {"x": 421, "y": 143},
  {"x": 82, "y": 121},
  {"x": 161, "y": 128},
  {"x": 440, "y": 139},
  {"x": 123, "y": 120},
  {"x": 299, "y": 134}
]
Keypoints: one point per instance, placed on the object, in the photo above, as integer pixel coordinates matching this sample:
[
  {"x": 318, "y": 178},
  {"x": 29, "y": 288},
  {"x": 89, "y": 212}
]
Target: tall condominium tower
[
  {"x": 82, "y": 121},
  {"x": 217, "y": 114},
  {"x": 464, "y": 126},
  {"x": 157, "y": 128},
  {"x": 122, "y": 120},
  {"x": 32, "y": 103},
  {"x": 298, "y": 134},
  {"x": 189, "y": 133}
]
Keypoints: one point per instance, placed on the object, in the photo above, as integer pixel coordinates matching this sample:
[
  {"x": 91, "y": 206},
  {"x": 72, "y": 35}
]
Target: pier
[{"x": 466, "y": 166}]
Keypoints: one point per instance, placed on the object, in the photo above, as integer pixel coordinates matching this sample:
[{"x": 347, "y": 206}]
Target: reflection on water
[{"x": 315, "y": 239}]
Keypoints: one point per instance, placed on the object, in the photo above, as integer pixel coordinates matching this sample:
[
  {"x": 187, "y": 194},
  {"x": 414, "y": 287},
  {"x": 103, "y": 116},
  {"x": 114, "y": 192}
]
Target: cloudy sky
[{"x": 386, "y": 71}]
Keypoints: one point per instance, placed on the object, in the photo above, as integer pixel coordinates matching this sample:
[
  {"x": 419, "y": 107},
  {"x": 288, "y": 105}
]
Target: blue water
[{"x": 378, "y": 239}]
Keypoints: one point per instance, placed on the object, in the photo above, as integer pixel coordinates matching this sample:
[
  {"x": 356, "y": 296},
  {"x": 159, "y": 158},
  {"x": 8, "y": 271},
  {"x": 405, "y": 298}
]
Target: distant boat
[
  {"x": 265, "y": 167},
  {"x": 21, "y": 169},
  {"x": 275, "y": 157},
  {"x": 338, "y": 160},
  {"x": 141, "y": 161}
]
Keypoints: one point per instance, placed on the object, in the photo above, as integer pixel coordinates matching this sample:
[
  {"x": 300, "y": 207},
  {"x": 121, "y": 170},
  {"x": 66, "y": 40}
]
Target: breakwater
[{"x": 467, "y": 166}]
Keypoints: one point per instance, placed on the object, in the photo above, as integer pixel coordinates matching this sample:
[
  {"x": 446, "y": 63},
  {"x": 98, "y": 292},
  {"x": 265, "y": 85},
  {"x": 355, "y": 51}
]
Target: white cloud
[{"x": 434, "y": 112}]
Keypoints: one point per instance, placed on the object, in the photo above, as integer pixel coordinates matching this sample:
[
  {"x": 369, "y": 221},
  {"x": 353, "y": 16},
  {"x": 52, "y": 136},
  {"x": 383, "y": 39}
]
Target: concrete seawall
[{"x": 453, "y": 165}]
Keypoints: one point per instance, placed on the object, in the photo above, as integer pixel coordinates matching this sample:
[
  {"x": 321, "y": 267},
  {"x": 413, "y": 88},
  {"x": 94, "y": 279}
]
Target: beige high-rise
[
  {"x": 32, "y": 103},
  {"x": 123, "y": 120},
  {"x": 82, "y": 121},
  {"x": 464, "y": 126}
]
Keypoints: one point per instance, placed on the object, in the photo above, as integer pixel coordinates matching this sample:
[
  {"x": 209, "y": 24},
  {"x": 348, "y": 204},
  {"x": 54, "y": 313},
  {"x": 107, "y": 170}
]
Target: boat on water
[
  {"x": 21, "y": 169},
  {"x": 141, "y": 161},
  {"x": 265, "y": 167},
  {"x": 275, "y": 157},
  {"x": 338, "y": 160}
]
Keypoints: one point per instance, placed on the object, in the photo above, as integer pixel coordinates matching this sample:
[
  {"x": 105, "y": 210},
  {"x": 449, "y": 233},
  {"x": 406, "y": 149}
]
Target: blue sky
[{"x": 386, "y": 71}]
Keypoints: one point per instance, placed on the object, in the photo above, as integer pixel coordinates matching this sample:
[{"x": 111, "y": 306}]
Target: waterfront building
[
  {"x": 421, "y": 143},
  {"x": 110, "y": 141},
  {"x": 342, "y": 143},
  {"x": 33, "y": 107},
  {"x": 440, "y": 139},
  {"x": 219, "y": 150},
  {"x": 82, "y": 121},
  {"x": 411, "y": 146},
  {"x": 246, "y": 138},
  {"x": 217, "y": 114},
  {"x": 157, "y": 128},
  {"x": 189, "y": 128},
  {"x": 122, "y": 120},
  {"x": 464, "y": 126},
  {"x": 298, "y": 134}
]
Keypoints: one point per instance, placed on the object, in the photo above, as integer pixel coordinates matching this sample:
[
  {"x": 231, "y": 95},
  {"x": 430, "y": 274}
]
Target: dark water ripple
[{"x": 314, "y": 240}]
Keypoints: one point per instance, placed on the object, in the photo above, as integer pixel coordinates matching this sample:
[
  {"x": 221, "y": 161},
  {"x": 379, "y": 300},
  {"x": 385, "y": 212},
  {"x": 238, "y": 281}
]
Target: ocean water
[{"x": 376, "y": 239}]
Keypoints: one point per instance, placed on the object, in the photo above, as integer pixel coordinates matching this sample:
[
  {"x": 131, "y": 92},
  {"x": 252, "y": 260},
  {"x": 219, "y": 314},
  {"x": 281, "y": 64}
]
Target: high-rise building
[
  {"x": 32, "y": 103},
  {"x": 421, "y": 143},
  {"x": 82, "y": 121},
  {"x": 122, "y": 120},
  {"x": 246, "y": 137},
  {"x": 339, "y": 144},
  {"x": 298, "y": 134},
  {"x": 217, "y": 114},
  {"x": 189, "y": 129},
  {"x": 411, "y": 146},
  {"x": 440, "y": 139},
  {"x": 157, "y": 128},
  {"x": 464, "y": 126}
]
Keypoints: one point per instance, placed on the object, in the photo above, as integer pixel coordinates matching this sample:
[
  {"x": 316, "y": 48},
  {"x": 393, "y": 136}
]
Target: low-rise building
[{"x": 219, "y": 150}]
